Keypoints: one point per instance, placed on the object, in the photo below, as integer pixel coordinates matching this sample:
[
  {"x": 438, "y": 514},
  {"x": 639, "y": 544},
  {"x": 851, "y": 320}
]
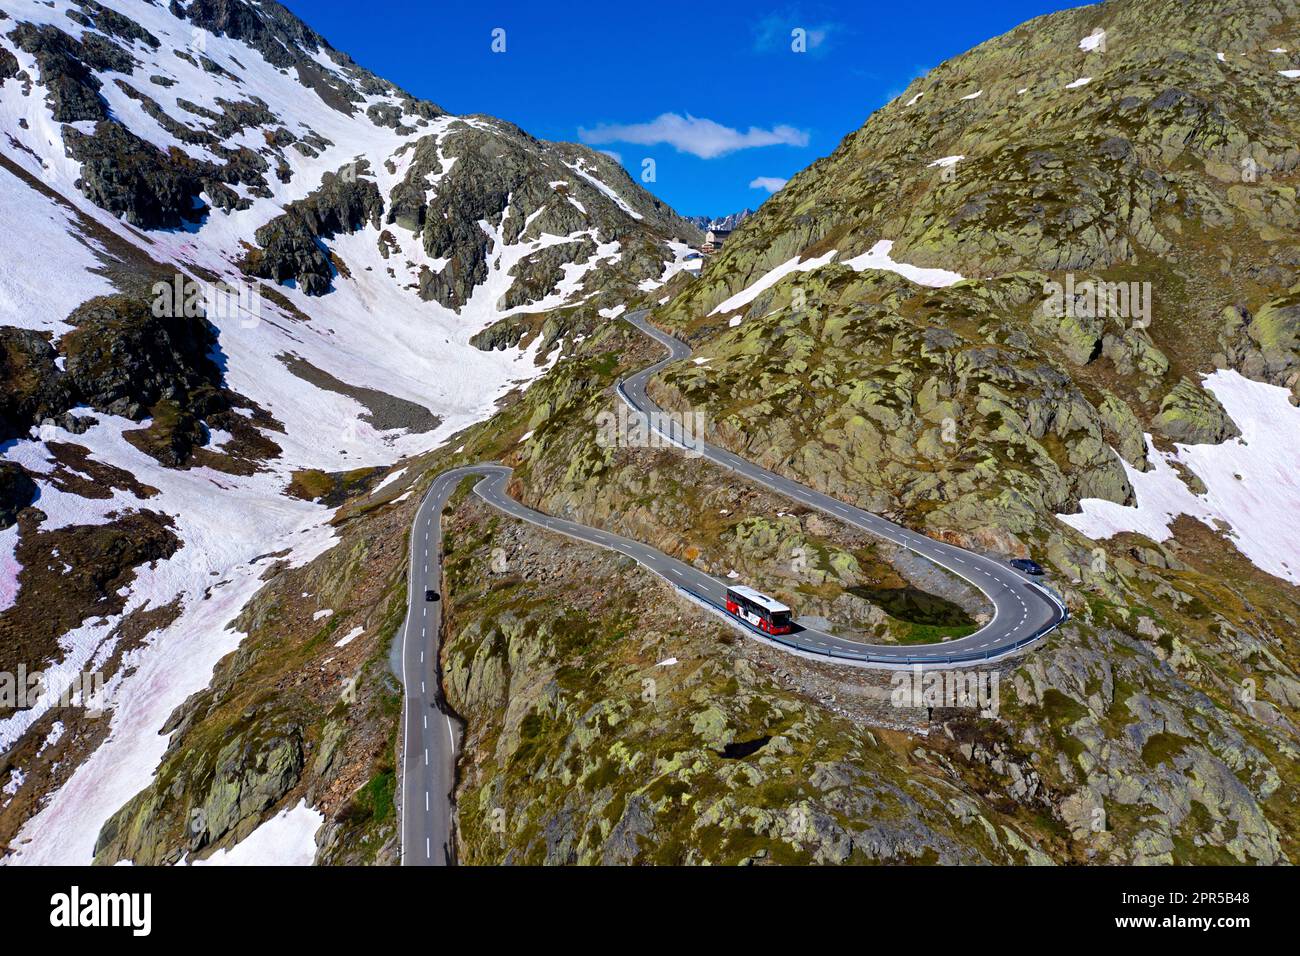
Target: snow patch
[
  {"x": 1093, "y": 40},
  {"x": 1252, "y": 482},
  {"x": 288, "y": 839},
  {"x": 877, "y": 257},
  {"x": 681, "y": 261},
  {"x": 16, "y": 778},
  {"x": 769, "y": 279},
  {"x": 580, "y": 168},
  {"x": 350, "y": 636},
  {"x": 388, "y": 480},
  {"x": 9, "y": 567},
  {"x": 52, "y": 738},
  {"x": 39, "y": 230}
]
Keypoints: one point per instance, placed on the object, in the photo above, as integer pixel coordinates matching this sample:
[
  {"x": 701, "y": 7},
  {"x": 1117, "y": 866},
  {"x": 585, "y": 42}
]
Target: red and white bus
[{"x": 758, "y": 610}]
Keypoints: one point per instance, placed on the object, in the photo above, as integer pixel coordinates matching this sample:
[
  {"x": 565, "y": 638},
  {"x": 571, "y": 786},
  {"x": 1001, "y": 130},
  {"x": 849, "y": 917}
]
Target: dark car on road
[
  {"x": 431, "y": 595},
  {"x": 1026, "y": 565}
]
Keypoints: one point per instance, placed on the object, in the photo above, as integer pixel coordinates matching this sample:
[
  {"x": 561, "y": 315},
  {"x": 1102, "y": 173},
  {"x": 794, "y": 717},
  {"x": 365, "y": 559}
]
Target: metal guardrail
[{"x": 868, "y": 658}]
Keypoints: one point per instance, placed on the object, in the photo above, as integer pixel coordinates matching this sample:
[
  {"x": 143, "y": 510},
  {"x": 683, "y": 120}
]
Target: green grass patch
[{"x": 1162, "y": 748}]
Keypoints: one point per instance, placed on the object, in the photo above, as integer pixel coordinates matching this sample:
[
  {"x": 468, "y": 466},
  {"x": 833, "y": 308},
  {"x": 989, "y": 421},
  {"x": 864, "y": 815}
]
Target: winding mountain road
[{"x": 1024, "y": 611}]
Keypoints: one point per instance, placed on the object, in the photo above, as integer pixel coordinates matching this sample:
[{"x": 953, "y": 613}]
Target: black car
[
  {"x": 1026, "y": 565},
  {"x": 431, "y": 595}
]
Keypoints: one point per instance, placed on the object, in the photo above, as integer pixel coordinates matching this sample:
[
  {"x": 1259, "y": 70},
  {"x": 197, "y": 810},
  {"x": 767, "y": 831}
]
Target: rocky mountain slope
[
  {"x": 913, "y": 323},
  {"x": 917, "y": 323},
  {"x": 1126, "y": 203},
  {"x": 1057, "y": 277},
  {"x": 274, "y": 275}
]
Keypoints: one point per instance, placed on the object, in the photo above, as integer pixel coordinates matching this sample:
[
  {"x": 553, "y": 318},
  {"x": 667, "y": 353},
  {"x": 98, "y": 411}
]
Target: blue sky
[{"x": 711, "y": 91}]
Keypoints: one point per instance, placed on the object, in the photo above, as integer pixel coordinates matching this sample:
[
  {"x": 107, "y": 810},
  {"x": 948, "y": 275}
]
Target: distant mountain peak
[{"x": 724, "y": 223}]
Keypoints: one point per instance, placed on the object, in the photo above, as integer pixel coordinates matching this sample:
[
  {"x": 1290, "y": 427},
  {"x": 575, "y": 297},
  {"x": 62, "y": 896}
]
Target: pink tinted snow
[{"x": 9, "y": 568}]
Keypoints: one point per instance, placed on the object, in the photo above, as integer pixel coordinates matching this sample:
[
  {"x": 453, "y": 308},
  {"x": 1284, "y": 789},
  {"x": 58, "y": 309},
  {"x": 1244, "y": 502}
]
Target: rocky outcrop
[
  {"x": 502, "y": 334},
  {"x": 67, "y": 70},
  {"x": 250, "y": 775},
  {"x": 1266, "y": 345},
  {"x": 491, "y": 173},
  {"x": 291, "y": 244},
  {"x": 117, "y": 25},
  {"x": 1149, "y": 772},
  {"x": 1125, "y": 429},
  {"x": 8, "y": 65},
  {"x": 1275, "y": 328},
  {"x": 121, "y": 359},
  {"x": 580, "y": 748},
  {"x": 31, "y": 385},
  {"x": 268, "y": 28},
  {"x": 537, "y": 274},
  {"x": 17, "y": 491},
  {"x": 1193, "y": 416},
  {"x": 131, "y": 178},
  {"x": 1079, "y": 336},
  {"x": 232, "y": 787},
  {"x": 494, "y": 173}
]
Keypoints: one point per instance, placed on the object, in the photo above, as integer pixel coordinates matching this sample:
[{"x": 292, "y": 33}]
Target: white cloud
[
  {"x": 770, "y": 183},
  {"x": 614, "y": 155},
  {"x": 689, "y": 134}
]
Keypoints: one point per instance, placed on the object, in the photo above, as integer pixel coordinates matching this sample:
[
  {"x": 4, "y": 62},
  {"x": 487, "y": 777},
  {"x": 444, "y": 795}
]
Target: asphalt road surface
[
  {"x": 429, "y": 736},
  {"x": 1024, "y": 611}
]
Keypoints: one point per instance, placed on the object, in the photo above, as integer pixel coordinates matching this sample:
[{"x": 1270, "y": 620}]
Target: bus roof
[{"x": 758, "y": 597}]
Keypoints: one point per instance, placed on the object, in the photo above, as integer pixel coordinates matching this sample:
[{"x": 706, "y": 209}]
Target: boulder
[
  {"x": 1192, "y": 416},
  {"x": 17, "y": 491}
]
